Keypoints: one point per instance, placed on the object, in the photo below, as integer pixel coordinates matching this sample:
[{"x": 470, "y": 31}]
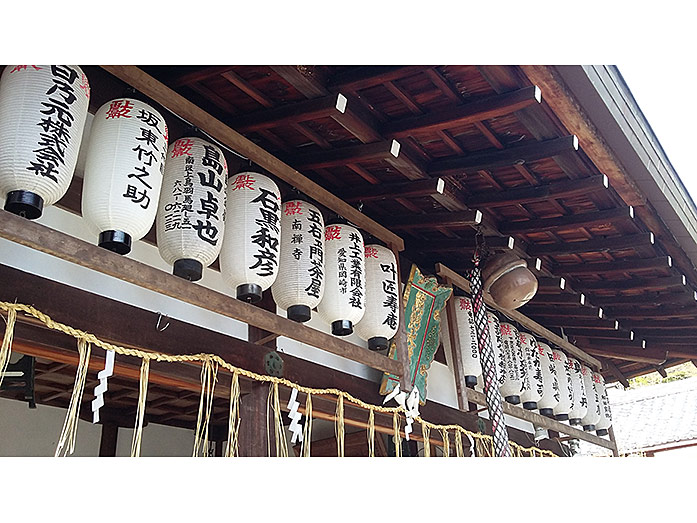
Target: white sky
[{"x": 665, "y": 94}]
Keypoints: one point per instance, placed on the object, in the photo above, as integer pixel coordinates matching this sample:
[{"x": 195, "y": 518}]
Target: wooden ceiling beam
[
  {"x": 182, "y": 107},
  {"x": 470, "y": 218},
  {"x": 616, "y": 372},
  {"x": 300, "y": 79},
  {"x": 606, "y": 334},
  {"x": 484, "y": 109},
  {"x": 574, "y": 221},
  {"x": 494, "y": 243},
  {"x": 665, "y": 311},
  {"x": 541, "y": 309},
  {"x": 614, "y": 267},
  {"x": 388, "y": 191},
  {"x": 630, "y": 241},
  {"x": 487, "y": 160},
  {"x": 364, "y": 77},
  {"x": 642, "y": 356},
  {"x": 539, "y": 193},
  {"x": 247, "y": 88},
  {"x": 591, "y": 323},
  {"x": 552, "y": 284},
  {"x": 560, "y": 299},
  {"x": 388, "y": 151},
  {"x": 645, "y": 284},
  {"x": 200, "y": 75},
  {"x": 648, "y": 299}
]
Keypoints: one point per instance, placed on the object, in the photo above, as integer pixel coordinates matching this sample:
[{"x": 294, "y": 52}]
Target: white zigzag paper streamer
[
  {"x": 99, "y": 390},
  {"x": 410, "y": 404},
  {"x": 295, "y": 426}
]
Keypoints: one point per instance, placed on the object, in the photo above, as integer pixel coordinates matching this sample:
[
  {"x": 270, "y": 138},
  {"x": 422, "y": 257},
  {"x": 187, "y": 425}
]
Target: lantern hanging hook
[
  {"x": 360, "y": 206},
  {"x": 159, "y": 319}
]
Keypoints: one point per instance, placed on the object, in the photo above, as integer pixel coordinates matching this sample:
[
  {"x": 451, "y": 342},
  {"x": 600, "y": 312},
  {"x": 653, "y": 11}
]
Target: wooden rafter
[
  {"x": 591, "y": 219},
  {"x": 631, "y": 241}
]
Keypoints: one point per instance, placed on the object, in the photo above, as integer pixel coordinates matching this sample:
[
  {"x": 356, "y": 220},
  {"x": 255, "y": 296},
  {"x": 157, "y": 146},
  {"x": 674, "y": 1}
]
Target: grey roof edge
[{"x": 611, "y": 107}]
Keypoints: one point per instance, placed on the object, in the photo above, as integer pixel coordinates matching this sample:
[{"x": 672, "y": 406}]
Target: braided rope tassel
[
  {"x": 426, "y": 432},
  {"x": 233, "y": 428},
  {"x": 371, "y": 434},
  {"x": 339, "y": 426},
  {"x": 397, "y": 439},
  {"x": 486, "y": 352},
  {"x": 307, "y": 430},
  {"x": 459, "y": 452},
  {"x": 209, "y": 375},
  {"x": 446, "y": 442},
  {"x": 66, "y": 442},
  {"x": 6, "y": 348},
  {"x": 140, "y": 413},
  {"x": 279, "y": 430}
]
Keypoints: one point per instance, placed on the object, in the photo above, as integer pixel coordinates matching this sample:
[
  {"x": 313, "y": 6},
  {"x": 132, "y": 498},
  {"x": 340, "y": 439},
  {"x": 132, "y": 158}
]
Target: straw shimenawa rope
[
  {"x": 484, "y": 441},
  {"x": 339, "y": 426},
  {"x": 209, "y": 376},
  {"x": 307, "y": 430},
  {"x": 232, "y": 447},
  {"x": 371, "y": 434},
  {"x": 6, "y": 348}
]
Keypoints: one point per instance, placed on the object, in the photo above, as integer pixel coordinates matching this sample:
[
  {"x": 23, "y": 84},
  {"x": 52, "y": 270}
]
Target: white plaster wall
[{"x": 35, "y": 432}]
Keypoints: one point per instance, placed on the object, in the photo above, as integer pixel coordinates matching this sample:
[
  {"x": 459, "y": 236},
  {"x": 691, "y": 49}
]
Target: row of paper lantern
[
  {"x": 533, "y": 373},
  {"x": 133, "y": 179}
]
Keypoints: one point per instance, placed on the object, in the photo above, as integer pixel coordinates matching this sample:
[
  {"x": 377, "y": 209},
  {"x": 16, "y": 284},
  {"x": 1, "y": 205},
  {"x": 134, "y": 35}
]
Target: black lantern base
[
  {"x": 342, "y": 328},
  {"x": 601, "y": 432},
  {"x": 562, "y": 417},
  {"x": 530, "y": 405},
  {"x": 589, "y": 428},
  {"x": 188, "y": 269},
  {"x": 24, "y": 203},
  {"x": 115, "y": 241},
  {"x": 377, "y": 343},
  {"x": 249, "y": 292},
  {"x": 513, "y": 400},
  {"x": 470, "y": 382},
  {"x": 547, "y": 413},
  {"x": 575, "y": 421},
  {"x": 299, "y": 313}
]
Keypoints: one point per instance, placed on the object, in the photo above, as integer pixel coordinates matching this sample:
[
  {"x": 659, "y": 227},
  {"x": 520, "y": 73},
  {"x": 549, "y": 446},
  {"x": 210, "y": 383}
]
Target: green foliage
[{"x": 679, "y": 372}]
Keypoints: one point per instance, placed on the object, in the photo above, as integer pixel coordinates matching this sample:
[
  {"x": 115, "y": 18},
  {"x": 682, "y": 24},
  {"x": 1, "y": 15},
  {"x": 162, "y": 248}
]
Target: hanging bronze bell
[{"x": 509, "y": 281}]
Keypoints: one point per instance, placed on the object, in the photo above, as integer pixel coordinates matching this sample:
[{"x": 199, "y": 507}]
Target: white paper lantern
[
  {"x": 566, "y": 391},
  {"x": 343, "y": 304},
  {"x": 593, "y": 414},
  {"x": 251, "y": 245},
  {"x": 494, "y": 326},
  {"x": 532, "y": 376},
  {"x": 299, "y": 286},
  {"x": 512, "y": 351},
  {"x": 42, "y": 116},
  {"x": 191, "y": 213},
  {"x": 381, "y": 318},
  {"x": 550, "y": 381},
  {"x": 605, "y": 422},
  {"x": 579, "y": 406},
  {"x": 124, "y": 164},
  {"x": 469, "y": 343}
]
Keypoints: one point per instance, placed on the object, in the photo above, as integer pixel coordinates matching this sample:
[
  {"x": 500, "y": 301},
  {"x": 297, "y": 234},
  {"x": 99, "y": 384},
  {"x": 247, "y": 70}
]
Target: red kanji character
[
  {"x": 119, "y": 108},
  {"x": 243, "y": 181},
  {"x": 332, "y": 233},
  {"x": 84, "y": 85},
  {"x": 556, "y": 356},
  {"x": 292, "y": 208},
  {"x": 505, "y": 329},
  {"x": 182, "y": 147},
  {"x": 523, "y": 338},
  {"x": 166, "y": 133},
  {"x": 371, "y": 252},
  {"x": 23, "y": 68}
]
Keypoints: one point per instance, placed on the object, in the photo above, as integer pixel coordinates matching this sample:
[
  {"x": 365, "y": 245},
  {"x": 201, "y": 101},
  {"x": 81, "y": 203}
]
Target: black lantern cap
[
  {"x": 513, "y": 400},
  {"x": 249, "y": 292},
  {"x": 115, "y": 241},
  {"x": 299, "y": 313},
  {"x": 601, "y": 432},
  {"x": 342, "y": 328},
  {"x": 188, "y": 269},
  {"x": 562, "y": 417},
  {"x": 377, "y": 343},
  {"x": 575, "y": 421},
  {"x": 470, "y": 382},
  {"x": 530, "y": 405},
  {"x": 547, "y": 413},
  {"x": 589, "y": 428},
  {"x": 24, "y": 203}
]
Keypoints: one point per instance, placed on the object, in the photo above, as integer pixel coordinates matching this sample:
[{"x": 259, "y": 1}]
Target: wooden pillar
[
  {"x": 253, "y": 436},
  {"x": 455, "y": 351},
  {"x": 110, "y": 433},
  {"x": 611, "y": 433}
]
